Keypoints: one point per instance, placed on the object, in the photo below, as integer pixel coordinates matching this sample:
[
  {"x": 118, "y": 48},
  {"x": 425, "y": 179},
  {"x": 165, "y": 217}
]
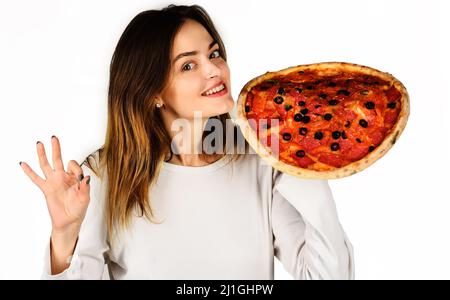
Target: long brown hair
[{"x": 136, "y": 141}]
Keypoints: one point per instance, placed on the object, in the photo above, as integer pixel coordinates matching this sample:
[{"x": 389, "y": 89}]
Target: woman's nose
[{"x": 211, "y": 70}]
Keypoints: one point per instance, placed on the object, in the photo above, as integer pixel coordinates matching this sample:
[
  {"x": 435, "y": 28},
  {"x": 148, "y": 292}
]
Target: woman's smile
[{"x": 218, "y": 91}]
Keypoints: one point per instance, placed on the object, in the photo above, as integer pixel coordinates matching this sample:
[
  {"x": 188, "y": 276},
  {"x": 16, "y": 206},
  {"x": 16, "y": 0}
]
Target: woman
[{"x": 153, "y": 206}]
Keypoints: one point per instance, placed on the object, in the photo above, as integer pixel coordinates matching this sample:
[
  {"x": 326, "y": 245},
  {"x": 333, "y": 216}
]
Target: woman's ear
[{"x": 158, "y": 101}]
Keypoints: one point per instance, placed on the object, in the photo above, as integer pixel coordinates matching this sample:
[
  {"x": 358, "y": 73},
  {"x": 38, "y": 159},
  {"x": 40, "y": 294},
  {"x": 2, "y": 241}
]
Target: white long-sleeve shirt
[{"x": 226, "y": 220}]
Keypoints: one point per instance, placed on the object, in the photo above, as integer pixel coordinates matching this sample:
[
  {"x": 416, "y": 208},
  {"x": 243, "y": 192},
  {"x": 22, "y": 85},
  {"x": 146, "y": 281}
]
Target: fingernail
[
  {"x": 37, "y": 142},
  {"x": 53, "y": 136},
  {"x": 89, "y": 179},
  {"x": 20, "y": 163},
  {"x": 80, "y": 177}
]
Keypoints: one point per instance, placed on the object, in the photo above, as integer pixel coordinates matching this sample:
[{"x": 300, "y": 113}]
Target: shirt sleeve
[
  {"x": 88, "y": 259},
  {"x": 309, "y": 240}
]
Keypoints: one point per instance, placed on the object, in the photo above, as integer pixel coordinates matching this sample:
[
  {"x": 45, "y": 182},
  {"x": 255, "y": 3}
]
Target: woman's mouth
[{"x": 216, "y": 92}]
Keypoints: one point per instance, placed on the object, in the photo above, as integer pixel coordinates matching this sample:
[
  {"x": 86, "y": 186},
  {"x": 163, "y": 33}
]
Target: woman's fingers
[
  {"x": 43, "y": 162},
  {"x": 32, "y": 175},
  {"x": 56, "y": 154},
  {"x": 74, "y": 168},
  {"x": 85, "y": 188}
]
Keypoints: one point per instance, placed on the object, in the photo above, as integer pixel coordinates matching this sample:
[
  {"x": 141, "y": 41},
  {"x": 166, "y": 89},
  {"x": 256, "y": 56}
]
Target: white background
[{"x": 54, "y": 74}]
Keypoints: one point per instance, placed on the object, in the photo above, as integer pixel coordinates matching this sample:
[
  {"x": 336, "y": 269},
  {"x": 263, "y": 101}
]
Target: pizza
[{"x": 324, "y": 120}]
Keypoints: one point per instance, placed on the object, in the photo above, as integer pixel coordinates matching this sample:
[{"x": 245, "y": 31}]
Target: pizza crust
[{"x": 324, "y": 69}]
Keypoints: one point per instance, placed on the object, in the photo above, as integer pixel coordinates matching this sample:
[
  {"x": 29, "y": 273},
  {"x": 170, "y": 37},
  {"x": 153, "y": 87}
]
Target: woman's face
[{"x": 197, "y": 67}]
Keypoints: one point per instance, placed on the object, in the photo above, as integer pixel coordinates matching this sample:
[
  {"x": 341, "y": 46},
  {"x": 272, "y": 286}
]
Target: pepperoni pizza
[{"x": 328, "y": 120}]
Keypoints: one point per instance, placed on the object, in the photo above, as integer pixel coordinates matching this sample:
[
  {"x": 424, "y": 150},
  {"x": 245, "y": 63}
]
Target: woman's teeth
[{"x": 214, "y": 90}]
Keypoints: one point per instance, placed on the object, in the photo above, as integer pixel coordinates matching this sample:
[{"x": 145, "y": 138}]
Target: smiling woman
[
  {"x": 163, "y": 64},
  {"x": 153, "y": 207}
]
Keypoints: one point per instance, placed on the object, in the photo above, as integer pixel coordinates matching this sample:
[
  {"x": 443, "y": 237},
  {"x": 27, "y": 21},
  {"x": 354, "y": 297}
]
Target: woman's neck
[
  {"x": 194, "y": 160},
  {"x": 187, "y": 143}
]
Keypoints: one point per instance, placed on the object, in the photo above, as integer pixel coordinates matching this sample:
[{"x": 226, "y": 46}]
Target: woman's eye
[
  {"x": 187, "y": 67},
  {"x": 215, "y": 55}
]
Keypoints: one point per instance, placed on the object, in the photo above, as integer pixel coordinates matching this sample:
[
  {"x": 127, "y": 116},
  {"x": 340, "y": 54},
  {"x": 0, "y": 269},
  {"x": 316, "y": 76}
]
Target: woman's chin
[
  {"x": 228, "y": 106},
  {"x": 222, "y": 107}
]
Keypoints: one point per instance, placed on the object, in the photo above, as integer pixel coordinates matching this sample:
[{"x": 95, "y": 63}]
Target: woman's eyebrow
[{"x": 190, "y": 53}]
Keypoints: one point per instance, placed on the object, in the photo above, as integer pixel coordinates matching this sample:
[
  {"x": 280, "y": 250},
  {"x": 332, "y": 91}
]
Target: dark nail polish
[
  {"x": 80, "y": 177},
  {"x": 53, "y": 136},
  {"x": 20, "y": 163},
  {"x": 88, "y": 180},
  {"x": 37, "y": 142}
]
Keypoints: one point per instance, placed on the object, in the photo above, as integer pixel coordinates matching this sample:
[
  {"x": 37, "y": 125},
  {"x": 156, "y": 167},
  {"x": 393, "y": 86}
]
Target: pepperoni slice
[
  {"x": 377, "y": 135},
  {"x": 345, "y": 145},
  {"x": 331, "y": 159},
  {"x": 357, "y": 152},
  {"x": 390, "y": 117},
  {"x": 392, "y": 94},
  {"x": 309, "y": 143},
  {"x": 303, "y": 162}
]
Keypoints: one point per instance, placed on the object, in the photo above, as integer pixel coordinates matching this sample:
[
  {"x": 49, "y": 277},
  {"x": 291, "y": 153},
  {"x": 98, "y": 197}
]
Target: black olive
[
  {"x": 318, "y": 135},
  {"x": 363, "y": 123},
  {"x": 309, "y": 87},
  {"x": 278, "y": 100},
  {"x": 287, "y": 107},
  {"x": 369, "y": 105},
  {"x": 332, "y": 102},
  {"x": 347, "y": 124},
  {"x": 343, "y": 92},
  {"x": 371, "y": 148},
  {"x": 317, "y": 106},
  {"x": 298, "y": 117},
  {"x": 298, "y": 89},
  {"x": 301, "y": 72},
  {"x": 286, "y": 136},
  {"x": 306, "y": 119},
  {"x": 247, "y": 108},
  {"x": 301, "y": 103},
  {"x": 344, "y": 135},
  {"x": 322, "y": 95},
  {"x": 391, "y": 105},
  {"x": 300, "y": 153},
  {"x": 303, "y": 131},
  {"x": 318, "y": 82},
  {"x": 281, "y": 91},
  {"x": 334, "y": 146},
  {"x": 336, "y": 134},
  {"x": 304, "y": 111},
  {"x": 358, "y": 140},
  {"x": 331, "y": 84},
  {"x": 327, "y": 117}
]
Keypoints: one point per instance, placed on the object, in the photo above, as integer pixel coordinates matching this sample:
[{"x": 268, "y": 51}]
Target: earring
[{"x": 158, "y": 105}]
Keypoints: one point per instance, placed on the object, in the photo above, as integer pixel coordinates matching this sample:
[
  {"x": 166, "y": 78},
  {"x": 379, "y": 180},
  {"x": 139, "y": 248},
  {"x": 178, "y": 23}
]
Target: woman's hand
[{"x": 66, "y": 193}]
